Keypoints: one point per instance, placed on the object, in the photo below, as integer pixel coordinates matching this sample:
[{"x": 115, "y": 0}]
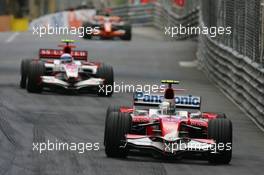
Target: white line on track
[
  {"x": 188, "y": 63},
  {"x": 12, "y": 37}
]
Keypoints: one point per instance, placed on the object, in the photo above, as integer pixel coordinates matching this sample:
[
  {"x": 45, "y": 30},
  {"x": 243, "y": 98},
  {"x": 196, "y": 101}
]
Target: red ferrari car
[
  {"x": 108, "y": 27},
  {"x": 167, "y": 126}
]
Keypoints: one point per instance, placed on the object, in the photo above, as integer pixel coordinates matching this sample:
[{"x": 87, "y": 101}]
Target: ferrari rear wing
[
  {"x": 182, "y": 101},
  {"x": 56, "y": 53}
]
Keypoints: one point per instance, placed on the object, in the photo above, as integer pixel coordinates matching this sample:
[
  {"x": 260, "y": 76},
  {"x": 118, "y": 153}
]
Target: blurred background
[
  {"x": 244, "y": 17},
  {"x": 16, "y": 14},
  {"x": 35, "y": 8}
]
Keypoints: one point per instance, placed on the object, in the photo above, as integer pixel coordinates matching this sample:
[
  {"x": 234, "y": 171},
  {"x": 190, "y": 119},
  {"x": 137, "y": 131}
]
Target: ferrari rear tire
[
  {"x": 106, "y": 72},
  {"x": 87, "y": 35},
  {"x": 24, "y": 68},
  {"x": 128, "y": 33},
  {"x": 220, "y": 130},
  {"x": 117, "y": 126},
  {"x": 36, "y": 70}
]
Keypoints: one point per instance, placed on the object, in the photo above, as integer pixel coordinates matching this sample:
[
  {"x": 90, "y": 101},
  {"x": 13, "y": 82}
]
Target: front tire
[
  {"x": 117, "y": 126},
  {"x": 220, "y": 130},
  {"x": 110, "y": 109},
  {"x": 36, "y": 70},
  {"x": 106, "y": 72},
  {"x": 24, "y": 68}
]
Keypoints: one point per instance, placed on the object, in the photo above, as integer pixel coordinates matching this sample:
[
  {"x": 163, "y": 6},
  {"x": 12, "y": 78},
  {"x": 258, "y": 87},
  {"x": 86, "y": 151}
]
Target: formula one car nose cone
[{"x": 71, "y": 70}]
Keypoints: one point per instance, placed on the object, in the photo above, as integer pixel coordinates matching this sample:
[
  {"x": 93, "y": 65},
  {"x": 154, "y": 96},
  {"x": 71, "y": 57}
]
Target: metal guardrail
[
  {"x": 232, "y": 62},
  {"x": 243, "y": 17},
  {"x": 157, "y": 15},
  {"x": 167, "y": 18},
  {"x": 135, "y": 14},
  {"x": 235, "y": 75}
]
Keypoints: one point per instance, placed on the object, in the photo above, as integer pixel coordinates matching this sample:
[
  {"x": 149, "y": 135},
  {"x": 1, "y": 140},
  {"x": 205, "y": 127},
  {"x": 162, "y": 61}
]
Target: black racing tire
[
  {"x": 220, "y": 130},
  {"x": 117, "y": 126},
  {"x": 128, "y": 34},
  {"x": 36, "y": 70},
  {"x": 106, "y": 72},
  {"x": 87, "y": 35},
  {"x": 24, "y": 68},
  {"x": 110, "y": 109}
]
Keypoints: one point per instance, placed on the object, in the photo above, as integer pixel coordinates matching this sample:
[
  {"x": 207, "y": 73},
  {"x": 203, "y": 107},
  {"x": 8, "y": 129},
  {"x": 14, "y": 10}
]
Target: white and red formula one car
[
  {"x": 173, "y": 128},
  {"x": 65, "y": 69}
]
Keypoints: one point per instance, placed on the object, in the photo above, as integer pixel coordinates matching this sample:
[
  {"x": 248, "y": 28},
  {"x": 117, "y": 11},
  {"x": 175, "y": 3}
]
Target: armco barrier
[
  {"x": 236, "y": 75},
  {"x": 157, "y": 15},
  {"x": 136, "y": 14},
  {"x": 64, "y": 19},
  {"x": 233, "y": 62},
  {"x": 166, "y": 18}
]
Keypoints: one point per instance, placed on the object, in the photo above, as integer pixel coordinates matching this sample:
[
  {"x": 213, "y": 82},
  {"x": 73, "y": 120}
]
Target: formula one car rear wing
[
  {"x": 56, "y": 53},
  {"x": 181, "y": 101},
  {"x": 67, "y": 47}
]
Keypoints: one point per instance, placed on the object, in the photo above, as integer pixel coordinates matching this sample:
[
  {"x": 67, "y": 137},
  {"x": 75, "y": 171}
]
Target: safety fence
[
  {"x": 63, "y": 19},
  {"x": 244, "y": 18},
  {"x": 161, "y": 14},
  {"x": 235, "y": 75},
  {"x": 234, "y": 62}
]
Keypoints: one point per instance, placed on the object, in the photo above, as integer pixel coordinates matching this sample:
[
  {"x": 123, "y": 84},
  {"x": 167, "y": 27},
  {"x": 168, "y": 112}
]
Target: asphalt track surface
[{"x": 27, "y": 118}]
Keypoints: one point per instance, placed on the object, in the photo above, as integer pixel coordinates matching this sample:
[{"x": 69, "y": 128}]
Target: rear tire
[
  {"x": 86, "y": 35},
  {"x": 221, "y": 131},
  {"x": 24, "y": 68},
  {"x": 36, "y": 70},
  {"x": 128, "y": 35},
  {"x": 117, "y": 126},
  {"x": 107, "y": 73}
]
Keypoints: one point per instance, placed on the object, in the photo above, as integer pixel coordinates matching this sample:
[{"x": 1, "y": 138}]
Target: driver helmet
[{"x": 66, "y": 58}]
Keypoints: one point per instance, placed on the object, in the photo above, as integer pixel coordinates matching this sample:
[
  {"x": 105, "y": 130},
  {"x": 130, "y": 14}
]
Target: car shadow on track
[{"x": 190, "y": 160}]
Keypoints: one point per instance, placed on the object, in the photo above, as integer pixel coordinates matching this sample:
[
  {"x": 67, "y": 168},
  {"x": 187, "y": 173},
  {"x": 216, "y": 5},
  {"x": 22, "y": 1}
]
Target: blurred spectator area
[
  {"x": 137, "y": 2},
  {"x": 35, "y": 8},
  {"x": 16, "y": 14}
]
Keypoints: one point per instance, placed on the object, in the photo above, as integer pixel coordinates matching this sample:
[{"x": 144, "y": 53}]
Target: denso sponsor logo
[{"x": 185, "y": 101}]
